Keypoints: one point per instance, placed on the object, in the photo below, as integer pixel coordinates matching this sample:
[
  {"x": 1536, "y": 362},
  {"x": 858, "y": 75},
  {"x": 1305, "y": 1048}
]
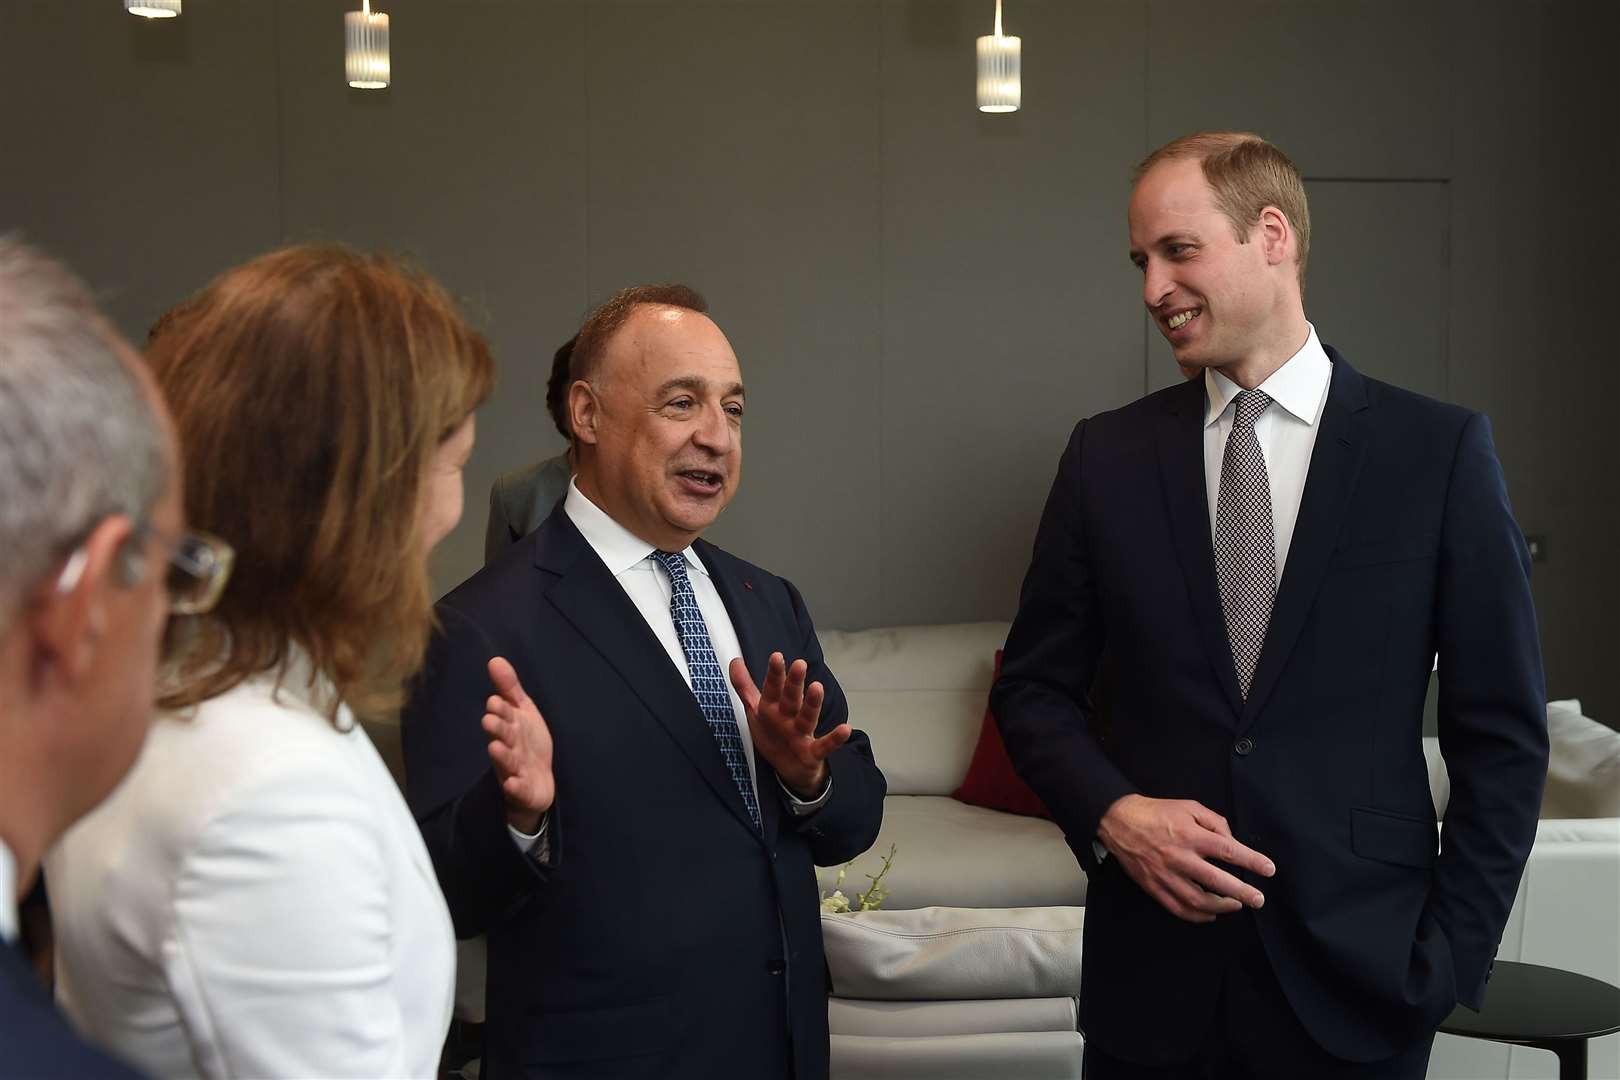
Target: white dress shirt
[
  {"x": 255, "y": 900},
  {"x": 629, "y": 559},
  {"x": 1286, "y": 432},
  {"x": 8, "y": 896}
]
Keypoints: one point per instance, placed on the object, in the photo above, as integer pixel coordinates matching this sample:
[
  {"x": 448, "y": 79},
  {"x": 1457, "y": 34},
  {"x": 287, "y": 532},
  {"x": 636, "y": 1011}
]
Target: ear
[
  {"x": 584, "y": 411},
  {"x": 71, "y": 613},
  {"x": 1276, "y": 236}
]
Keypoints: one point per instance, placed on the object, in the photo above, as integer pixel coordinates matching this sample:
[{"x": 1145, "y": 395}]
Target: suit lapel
[
  {"x": 596, "y": 605},
  {"x": 748, "y": 617},
  {"x": 1335, "y": 463},
  {"x": 1181, "y": 464}
]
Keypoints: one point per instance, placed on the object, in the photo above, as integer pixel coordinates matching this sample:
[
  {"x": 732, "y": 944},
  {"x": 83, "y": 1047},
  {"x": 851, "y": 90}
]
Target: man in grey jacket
[{"x": 521, "y": 499}]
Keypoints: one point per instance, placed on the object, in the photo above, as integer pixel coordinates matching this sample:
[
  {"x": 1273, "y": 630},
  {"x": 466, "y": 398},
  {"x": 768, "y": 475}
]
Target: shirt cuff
[
  {"x": 801, "y": 807},
  {"x": 1097, "y": 848},
  {"x": 536, "y": 845}
]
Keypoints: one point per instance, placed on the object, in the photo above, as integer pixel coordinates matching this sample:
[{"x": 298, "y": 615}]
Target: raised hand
[
  {"x": 782, "y": 717},
  {"x": 1166, "y": 846},
  {"x": 520, "y": 748}
]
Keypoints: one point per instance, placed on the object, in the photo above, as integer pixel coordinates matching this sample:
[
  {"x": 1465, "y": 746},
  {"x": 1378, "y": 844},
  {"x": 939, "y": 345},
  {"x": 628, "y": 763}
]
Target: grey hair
[{"x": 78, "y": 437}]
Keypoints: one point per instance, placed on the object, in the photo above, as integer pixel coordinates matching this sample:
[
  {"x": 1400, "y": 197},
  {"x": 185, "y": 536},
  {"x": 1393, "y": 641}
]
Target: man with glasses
[{"x": 95, "y": 557}]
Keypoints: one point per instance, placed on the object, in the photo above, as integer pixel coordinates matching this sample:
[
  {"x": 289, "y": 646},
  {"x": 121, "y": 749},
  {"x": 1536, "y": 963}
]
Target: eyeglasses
[{"x": 199, "y": 565}]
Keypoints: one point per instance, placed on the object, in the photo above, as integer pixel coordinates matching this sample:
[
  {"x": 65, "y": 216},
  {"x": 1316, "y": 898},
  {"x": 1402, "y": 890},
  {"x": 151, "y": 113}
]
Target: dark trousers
[{"x": 1256, "y": 1036}]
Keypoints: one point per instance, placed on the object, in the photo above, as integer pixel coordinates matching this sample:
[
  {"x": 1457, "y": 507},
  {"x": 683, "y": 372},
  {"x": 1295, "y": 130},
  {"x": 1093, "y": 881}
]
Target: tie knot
[
  {"x": 1250, "y": 404},
  {"x": 673, "y": 562}
]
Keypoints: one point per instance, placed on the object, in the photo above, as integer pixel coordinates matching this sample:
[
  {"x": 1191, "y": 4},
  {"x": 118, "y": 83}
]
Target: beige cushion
[
  {"x": 919, "y": 693},
  {"x": 951, "y": 954},
  {"x": 1026, "y": 1055},
  {"x": 1583, "y": 775},
  {"x": 914, "y": 1019},
  {"x": 965, "y": 856}
]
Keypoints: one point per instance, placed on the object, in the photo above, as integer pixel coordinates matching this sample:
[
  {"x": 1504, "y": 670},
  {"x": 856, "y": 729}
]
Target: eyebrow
[
  {"x": 697, "y": 385},
  {"x": 1166, "y": 239}
]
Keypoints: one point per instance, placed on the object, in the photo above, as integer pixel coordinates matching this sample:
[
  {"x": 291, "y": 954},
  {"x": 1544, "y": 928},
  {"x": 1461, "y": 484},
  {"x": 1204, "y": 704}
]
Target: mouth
[
  {"x": 1182, "y": 318},
  {"x": 701, "y": 482}
]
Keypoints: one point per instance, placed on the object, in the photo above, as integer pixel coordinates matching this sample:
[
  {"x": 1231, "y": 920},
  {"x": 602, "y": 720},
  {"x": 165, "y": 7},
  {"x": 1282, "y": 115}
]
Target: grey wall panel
[
  {"x": 143, "y": 153},
  {"x": 1535, "y": 233},
  {"x": 1346, "y": 89},
  {"x": 1009, "y": 302},
  {"x": 736, "y": 148},
  {"x": 473, "y": 165}
]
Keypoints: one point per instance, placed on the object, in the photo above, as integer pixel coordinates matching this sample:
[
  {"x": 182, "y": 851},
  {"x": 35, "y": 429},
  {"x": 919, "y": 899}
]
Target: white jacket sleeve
[{"x": 280, "y": 955}]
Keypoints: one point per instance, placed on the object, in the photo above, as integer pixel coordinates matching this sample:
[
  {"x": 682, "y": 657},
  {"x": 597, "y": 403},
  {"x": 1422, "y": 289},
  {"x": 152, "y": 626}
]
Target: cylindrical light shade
[
  {"x": 1000, "y": 81},
  {"x": 153, "y": 9},
  {"x": 365, "y": 49}
]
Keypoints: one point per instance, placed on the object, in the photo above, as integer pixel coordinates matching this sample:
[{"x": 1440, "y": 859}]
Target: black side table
[{"x": 1531, "y": 1005}]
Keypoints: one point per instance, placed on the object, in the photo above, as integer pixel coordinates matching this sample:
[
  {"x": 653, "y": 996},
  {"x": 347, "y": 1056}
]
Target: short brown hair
[
  {"x": 1247, "y": 175},
  {"x": 601, "y": 324},
  {"x": 310, "y": 388}
]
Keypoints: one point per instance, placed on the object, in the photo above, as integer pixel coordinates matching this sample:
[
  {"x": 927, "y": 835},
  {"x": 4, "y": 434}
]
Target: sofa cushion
[
  {"x": 992, "y": 782},
  {"x": 918, "y": 692},
  {"x": 915, "y": 1019},
  {"x": 965, "y": 856},
  {"x": 1583, "y": 773},
  {"x": 1023, "y": 1055},
  {"x": 951, "y": 954}
]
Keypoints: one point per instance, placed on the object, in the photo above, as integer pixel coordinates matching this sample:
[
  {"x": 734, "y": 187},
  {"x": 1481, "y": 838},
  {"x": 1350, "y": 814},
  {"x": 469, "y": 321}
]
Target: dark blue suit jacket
[
  {"x": 665, "y": 936},
  {"x": 35, "y": 1041},
  {"x": 1405, "y": 546}
]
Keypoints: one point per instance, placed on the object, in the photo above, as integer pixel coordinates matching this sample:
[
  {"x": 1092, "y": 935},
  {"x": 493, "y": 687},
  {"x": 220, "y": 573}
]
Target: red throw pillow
[{"x": 991, "y": 781}]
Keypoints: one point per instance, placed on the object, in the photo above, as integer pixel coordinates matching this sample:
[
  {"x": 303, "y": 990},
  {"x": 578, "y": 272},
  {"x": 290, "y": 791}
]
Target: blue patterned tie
[{"x": 708, "y": 684}]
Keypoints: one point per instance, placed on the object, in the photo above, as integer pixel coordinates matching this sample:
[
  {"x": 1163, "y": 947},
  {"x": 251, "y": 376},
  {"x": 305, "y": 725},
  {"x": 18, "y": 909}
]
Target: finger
[
  {"x": 1229, "y": 850},
  {"x": 1193, "y": 896},
  {"x": 775, "y": 676},
  {"x": 1215, "y": 880},
  {"x": 829, "y": 742},
  {"x": 809, "y": 714},
  {"x": 744, "y": 683},
  {"x": 504, "y": 676},
  {"x": 1171, "y": 903},
  {"x": 1210, "y": 820},
  {"x": 793, "y": 687}
]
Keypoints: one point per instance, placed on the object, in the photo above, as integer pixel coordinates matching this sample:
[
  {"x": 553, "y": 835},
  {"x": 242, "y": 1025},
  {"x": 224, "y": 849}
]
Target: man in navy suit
[
  {"x": 90, "y": 513},
  {"x": 637, "y": 834},
  {"x": 1270, "y": 557}
]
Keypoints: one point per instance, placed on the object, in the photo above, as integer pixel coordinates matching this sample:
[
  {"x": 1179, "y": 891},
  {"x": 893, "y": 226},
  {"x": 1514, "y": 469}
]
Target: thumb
[
  {"x": 505, "y": 680},
  {"x": 744, "y": 683}
]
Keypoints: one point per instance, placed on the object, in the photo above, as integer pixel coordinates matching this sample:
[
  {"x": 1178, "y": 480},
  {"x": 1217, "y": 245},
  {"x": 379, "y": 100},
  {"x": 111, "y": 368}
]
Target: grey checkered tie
[
  {"x": 708, "y": 684},
  {"x": 1245, "y": 545}
]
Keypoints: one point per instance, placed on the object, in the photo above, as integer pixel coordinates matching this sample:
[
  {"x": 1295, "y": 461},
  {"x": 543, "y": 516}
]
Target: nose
[
  {"x": 713, "y": 431},
  {"x": 1156, "y": 284}
]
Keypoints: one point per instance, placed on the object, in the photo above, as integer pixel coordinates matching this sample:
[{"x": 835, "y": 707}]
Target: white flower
[{"x": 836, "y": 904}]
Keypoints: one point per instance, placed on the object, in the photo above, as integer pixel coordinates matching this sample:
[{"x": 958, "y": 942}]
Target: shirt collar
[
  {"x": 617, "y": 547},
  {"x": 8, "y": 896},
  {"x": 1299, "y": 386}
]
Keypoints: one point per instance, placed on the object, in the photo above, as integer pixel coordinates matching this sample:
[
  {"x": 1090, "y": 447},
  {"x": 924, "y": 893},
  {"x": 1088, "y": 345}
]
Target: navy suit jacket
[
  {"x": 665, "y": 936},
  {"x": 1405, "y": 547},
  {"x": 35, "y": 1041}
]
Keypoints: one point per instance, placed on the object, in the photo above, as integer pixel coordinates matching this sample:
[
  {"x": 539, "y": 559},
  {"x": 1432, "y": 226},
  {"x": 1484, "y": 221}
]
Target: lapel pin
[{"x": 749, "y": 585}]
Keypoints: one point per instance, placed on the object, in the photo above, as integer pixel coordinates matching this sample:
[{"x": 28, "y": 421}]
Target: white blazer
[{"x": 255, "y": 901}]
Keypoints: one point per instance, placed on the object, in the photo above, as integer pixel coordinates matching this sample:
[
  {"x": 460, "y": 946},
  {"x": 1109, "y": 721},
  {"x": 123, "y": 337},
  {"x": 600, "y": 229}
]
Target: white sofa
[{"x": 920, "y": 695}]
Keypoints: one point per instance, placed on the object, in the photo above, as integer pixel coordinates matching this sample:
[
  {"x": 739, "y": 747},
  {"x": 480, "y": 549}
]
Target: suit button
[
  {"x": 775, "y": 967},
  {"x": 1243, "y": 746}
]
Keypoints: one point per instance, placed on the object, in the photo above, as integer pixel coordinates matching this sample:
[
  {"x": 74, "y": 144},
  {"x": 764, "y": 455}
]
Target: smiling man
[
  {"x": 638, "y": 838},
  {"x": 1271, "y": 555}
]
